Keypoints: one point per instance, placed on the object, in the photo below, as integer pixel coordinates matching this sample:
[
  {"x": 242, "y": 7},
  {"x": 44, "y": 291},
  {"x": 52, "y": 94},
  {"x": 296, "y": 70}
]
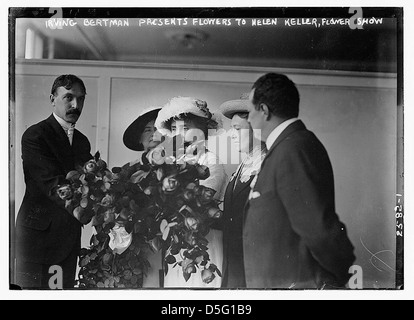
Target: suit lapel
[
  {"x": 62, "y": 147},
  {"x": 60, "y": 133}
]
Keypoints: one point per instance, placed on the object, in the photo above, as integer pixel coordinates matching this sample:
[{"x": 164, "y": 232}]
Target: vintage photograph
[{"x": 206, "y": 148}]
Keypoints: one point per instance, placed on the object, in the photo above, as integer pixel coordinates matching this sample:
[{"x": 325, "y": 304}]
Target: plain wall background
[{"x": 354, "y": 115}]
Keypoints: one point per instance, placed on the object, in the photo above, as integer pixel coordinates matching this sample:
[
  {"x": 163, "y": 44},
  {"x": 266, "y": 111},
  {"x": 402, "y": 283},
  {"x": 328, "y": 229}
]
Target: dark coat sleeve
[
  {"x": 306, "y": 187},
  {"x": 43, "y": 170}
]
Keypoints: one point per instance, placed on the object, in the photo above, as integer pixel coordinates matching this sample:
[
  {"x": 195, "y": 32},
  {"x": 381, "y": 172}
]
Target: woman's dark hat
[{"x": 132, "y": 134}]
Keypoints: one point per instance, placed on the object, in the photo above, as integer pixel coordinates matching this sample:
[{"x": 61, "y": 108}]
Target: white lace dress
[{"x": 217, "y": 181}]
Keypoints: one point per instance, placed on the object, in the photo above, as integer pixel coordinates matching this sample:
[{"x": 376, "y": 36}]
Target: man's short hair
[
  {"x": 279, "y": 93},
  {"x": 67, "y": 81}
]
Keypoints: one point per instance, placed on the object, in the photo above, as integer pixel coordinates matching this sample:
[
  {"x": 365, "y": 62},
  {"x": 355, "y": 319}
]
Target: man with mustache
[{"x": 47, "y": 235}]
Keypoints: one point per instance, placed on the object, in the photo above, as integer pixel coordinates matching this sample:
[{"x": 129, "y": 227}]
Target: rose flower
[
  {"x": 170, "y": 184},
  {"x": 90, "y": 167},
  {"x": 189, "y": 266},
  {"x": 107, "y": 201},
  {"x": 207, "y": 276},
  {"x": 191, "y": 223},
  {"x": 156, "y": 157},
  {"x": 65, "y": 192}
]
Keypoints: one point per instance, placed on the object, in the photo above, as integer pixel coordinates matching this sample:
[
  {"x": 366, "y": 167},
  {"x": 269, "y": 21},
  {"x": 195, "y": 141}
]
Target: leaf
[
  {"x": 85, "y": 190},
  {"x": 187, "y": 276},
  {"x": 163, "y": 225},
  {"x": 219, "y": 273},
  {"x": 106, "y": 258},
  {"x": 94, "y": 241},
  {"x": 116, "y": 170},
  {"x": 165, "y": 268},
  {"x": 166, "y": 233},
  {"x": 175, "y": 249},
  {"x": 93, "y": 256},
  {"x": 97, "y": 155},
  {"x": 170, "y": 259},
  {"x": 100, "y": 285}
]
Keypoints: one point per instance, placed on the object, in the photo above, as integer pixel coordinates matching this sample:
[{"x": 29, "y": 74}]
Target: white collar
[
  {"x": 66, "y": 125},
  {"x": 278, "y": 131}
]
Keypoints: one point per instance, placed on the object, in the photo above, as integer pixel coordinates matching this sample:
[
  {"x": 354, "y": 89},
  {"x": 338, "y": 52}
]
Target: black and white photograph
[{"x": 217, "y": 149}]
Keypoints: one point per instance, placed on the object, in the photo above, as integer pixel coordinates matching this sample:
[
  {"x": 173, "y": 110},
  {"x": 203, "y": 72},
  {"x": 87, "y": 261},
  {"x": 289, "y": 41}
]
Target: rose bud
[
  {"x": 90, "y": 167},
  {"x": 78, "y": 212},
  {"x": 156, "y": 157},
  {"x": 109, "y": 217},
  {"x": 191, "y": 223},
  {"x": 65, "y": 192},
  {"x": 150, "y": 191},
  {"x": 203, "y": 172},
  {"x": 207, "y": 195},
  {"x": 188, "y": 266},
  {"x": 138, "y": 176},
  {"x": 107, "y": 201},
  {"x": 188, "y": 195},
  {"x": 170, "y": 160},
  {"x": 207, "y": 276},
  {"x": 199, "y": 260},
  {"x": 124, "y": 214},
  {"x": 73, "y": 176},
  {"x": 215, "y": 213},
  {"x": 191, "y": 186},
  {"x": 160, "y": 174},
  {"x": 101, "y": 164},
  {"x": 170, "y": 184},
  {"x": 190, "y": 239}
]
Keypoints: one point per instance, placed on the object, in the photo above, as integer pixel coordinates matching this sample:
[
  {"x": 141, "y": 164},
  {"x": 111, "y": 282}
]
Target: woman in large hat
[
  {"x": 238, "y": 189},
  {"x": 141, "y": 135},
  {"x": 190, "y": 118}
]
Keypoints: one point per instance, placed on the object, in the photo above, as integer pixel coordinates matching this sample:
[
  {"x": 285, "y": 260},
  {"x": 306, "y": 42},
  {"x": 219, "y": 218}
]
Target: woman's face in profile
[
  {"x": 147, "y": 137},
  {"x": 241, "y": 133}
]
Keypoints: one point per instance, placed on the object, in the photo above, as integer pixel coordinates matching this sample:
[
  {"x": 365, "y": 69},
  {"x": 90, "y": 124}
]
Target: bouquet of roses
[
  {"x": 137, "y": 209},
  {"x": 187, "y": 211}
]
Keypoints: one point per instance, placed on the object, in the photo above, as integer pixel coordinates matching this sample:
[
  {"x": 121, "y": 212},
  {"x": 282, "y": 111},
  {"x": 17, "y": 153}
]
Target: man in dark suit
[
  {"x": 46, "y": 233},
  {"x": 292, "y": 236}
]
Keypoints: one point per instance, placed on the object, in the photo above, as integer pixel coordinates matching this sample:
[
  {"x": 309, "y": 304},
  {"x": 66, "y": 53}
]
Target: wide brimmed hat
[
  {"x": 186, "y": 105},
  {"x": 230, "y": 108},
  {"x": 132, "y": 134}
]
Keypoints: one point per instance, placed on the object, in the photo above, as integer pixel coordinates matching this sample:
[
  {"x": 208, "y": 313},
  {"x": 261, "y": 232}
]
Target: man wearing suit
[
  {"x": 46, "y": 233},
  {"x": 292, "y": 236}
]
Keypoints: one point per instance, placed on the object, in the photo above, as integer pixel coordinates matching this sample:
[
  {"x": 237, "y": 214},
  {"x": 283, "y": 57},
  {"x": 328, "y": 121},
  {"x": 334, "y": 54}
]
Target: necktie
[{"x": 70, "y": 134}]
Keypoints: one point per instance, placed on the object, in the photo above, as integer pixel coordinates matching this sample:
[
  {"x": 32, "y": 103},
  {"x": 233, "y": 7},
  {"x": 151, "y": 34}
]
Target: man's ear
[
  {"x": 266, "y": 111},
  {"x": 52, "y": 99}
]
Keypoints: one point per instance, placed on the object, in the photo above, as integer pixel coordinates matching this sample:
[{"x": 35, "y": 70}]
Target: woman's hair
[
  {"x": 201, "y": 123},
  {"x": 243, "y": 115}
]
